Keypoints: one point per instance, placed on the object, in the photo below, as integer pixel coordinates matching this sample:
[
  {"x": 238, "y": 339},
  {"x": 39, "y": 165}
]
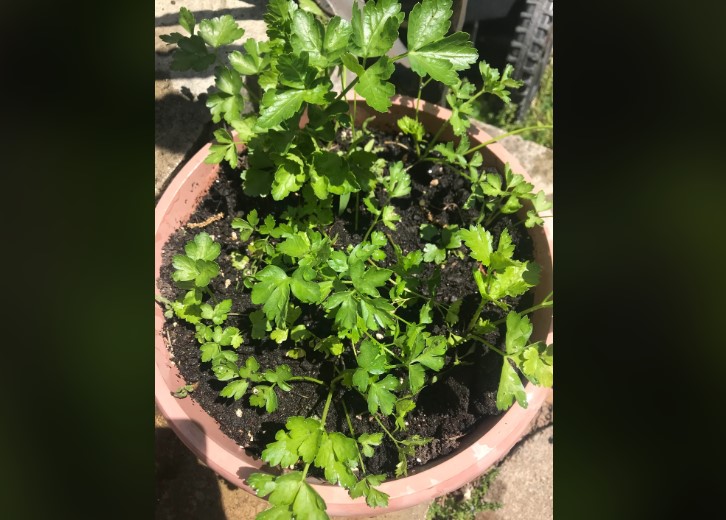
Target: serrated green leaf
[
  {"x": 535, "y": 367},
  {"x": 172, "y": 38},
  {"x": 308, "y": 504},
  {"x": 273, "y": 291},
  {"x": 305, "y": 291},
  {"x": 200, "y": 272},
  {"x": 345, "y": 317},
  {"x": 519, "y": 329},
  {"x": 330, "y": 345},
  {"x": 286, "y": 488},
  {"x": 380, "y": 396},
  {"x": 295, "y": 246},
  {"x": 338, "y": 261},
  {"x": 433, "y": 354},
  {"x": 192, "y": 54},
  {"x": 442, "y": 58},
  {"x": 416, "y": 377},
  {"x": 410, "y": 126},
  {"x": 337, "y": 38},
  {"x": 479, "y": 241},
  {"x": 372, "y": 84},
  {"x": 376, "y": 312},
  {"x": 250, "y": 63},
  {"x": 209, "y": 351},
  {"x": 228, "y": 103},
  {"x": 227, "y": 150},
  {"x": 375, "y": 28},
  {"x": 218, "y": 313},
  {"x": 431, "y": 253},
  {"x": 262, "y": 483},
  {"x": 510, "y": 387},
  {"x": 493, "y": 84},
  {"x": 286, "y": 180},
  {"x": 301, "y": 440},
  {"x": 279, "y": 105},
  {"x": 424, "y": 315},
  {"x": 187, "y": 20},
  {"x": 371, "y": 359},
  {"x": 389, "y": 217},
  {"x": 514, "y": 280},
  {"x": 280, "y": 376},
  {"x": 366, "y": 280},
  {"x": 307, "y": 36},
  {"x": 230, "y": 336},
  {"x": 368, "y": 441},
  {"x": 235, "y": 389},
  {"x": 264, "y": 396},
  {"x": 279, "y": 335},
  {"x": 337, "y": 173},
  {"x": 260, "y": 325},
  {"x": 220, "y": 30},
  {"x": 399, "y": 182},
  {"x": 250, "y": 369},
  {"x": 428, "y": 22},
  {"x": 336, "y": 456},
  {"x": 403, "y": 406},
  {"x": 202, "y": 248},
  {"x": 374, "y": 498}
]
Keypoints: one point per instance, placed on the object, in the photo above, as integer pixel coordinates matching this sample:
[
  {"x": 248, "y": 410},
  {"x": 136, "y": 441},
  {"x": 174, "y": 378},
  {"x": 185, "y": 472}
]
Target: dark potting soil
[{"x": 446, "y": 410}]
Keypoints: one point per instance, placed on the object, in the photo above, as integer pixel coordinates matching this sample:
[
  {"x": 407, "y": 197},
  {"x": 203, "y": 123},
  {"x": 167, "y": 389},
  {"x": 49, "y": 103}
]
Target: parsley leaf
[
  {"x": 228, "y": 102},
  {"x": 375, "y": 28},
  {"x": 479, "y": 241},
  {"x": 380, "y": 396},
  {"x": 442, "y": 58},
  {"x": 368, "y": 441},
  {"x": 264, "y": 396},
  {"x": 510, "y": 387},
  {"x": 372, "y": 84},
  {"x": 192, "y": 54},
  {"x": 301, "y": 440},
  {"x": 203, "y": 248},
  {"x": 220, "y": 31},
  {"x": 337, "y": 455},
  {"x": 374, "y": 498},
  {"x": 273, "y": 291}
]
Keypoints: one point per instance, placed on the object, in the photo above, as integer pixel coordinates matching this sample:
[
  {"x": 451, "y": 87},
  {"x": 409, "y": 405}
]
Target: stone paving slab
[{"x": 186, "y": 489}]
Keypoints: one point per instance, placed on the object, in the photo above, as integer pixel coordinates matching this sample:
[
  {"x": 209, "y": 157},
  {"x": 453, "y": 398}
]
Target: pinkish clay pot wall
[{"x": 490, "y": 441}]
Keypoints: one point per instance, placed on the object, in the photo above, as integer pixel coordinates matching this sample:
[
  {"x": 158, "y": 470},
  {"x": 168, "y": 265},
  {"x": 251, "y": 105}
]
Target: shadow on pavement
[{"x": 184, "y": 488}]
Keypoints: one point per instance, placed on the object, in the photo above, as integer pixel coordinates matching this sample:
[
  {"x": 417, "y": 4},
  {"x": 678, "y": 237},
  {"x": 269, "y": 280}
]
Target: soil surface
[{"x": 445, "y": 410}]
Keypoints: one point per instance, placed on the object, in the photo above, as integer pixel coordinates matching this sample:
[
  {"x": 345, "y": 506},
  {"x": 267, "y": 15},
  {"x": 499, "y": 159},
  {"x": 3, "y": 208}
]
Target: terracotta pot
[{"x": 490, "y": 441}]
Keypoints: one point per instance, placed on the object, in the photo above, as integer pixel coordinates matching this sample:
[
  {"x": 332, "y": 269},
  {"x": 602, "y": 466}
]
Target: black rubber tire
[{"x": 530, "y": 52}]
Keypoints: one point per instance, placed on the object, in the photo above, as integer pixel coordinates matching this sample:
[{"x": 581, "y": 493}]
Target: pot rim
[{"x": 488, "y": 443}]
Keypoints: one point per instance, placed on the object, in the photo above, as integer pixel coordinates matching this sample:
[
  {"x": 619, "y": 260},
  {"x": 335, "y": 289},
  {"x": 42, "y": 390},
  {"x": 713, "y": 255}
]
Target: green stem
[
  {"x": 428, "y": 298},
  {"x": 346, "y": 89},
  {"x": 477, "y": 313},
  {"x": 491, "y": 217},
  {"x": 352, "y": 433},
  {"x": 306, "y": 378},
  {"x": 499, "y": 137},
  {"x": 489, "y": 345},
  {"x": 433, "y": 141},
  {"x": 386, "y": 430},
  {"x": 400, "y": 56},
  {"x": 545, "y": 303},
  {"x": 327, "y": 405},
  {"x": 375, "y": 221},
  {"x": 357, "y": 208}
]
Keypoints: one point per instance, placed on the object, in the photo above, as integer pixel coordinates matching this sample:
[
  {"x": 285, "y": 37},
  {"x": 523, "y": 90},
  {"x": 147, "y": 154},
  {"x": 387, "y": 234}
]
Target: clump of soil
[{"x": 445, "y": 410}]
